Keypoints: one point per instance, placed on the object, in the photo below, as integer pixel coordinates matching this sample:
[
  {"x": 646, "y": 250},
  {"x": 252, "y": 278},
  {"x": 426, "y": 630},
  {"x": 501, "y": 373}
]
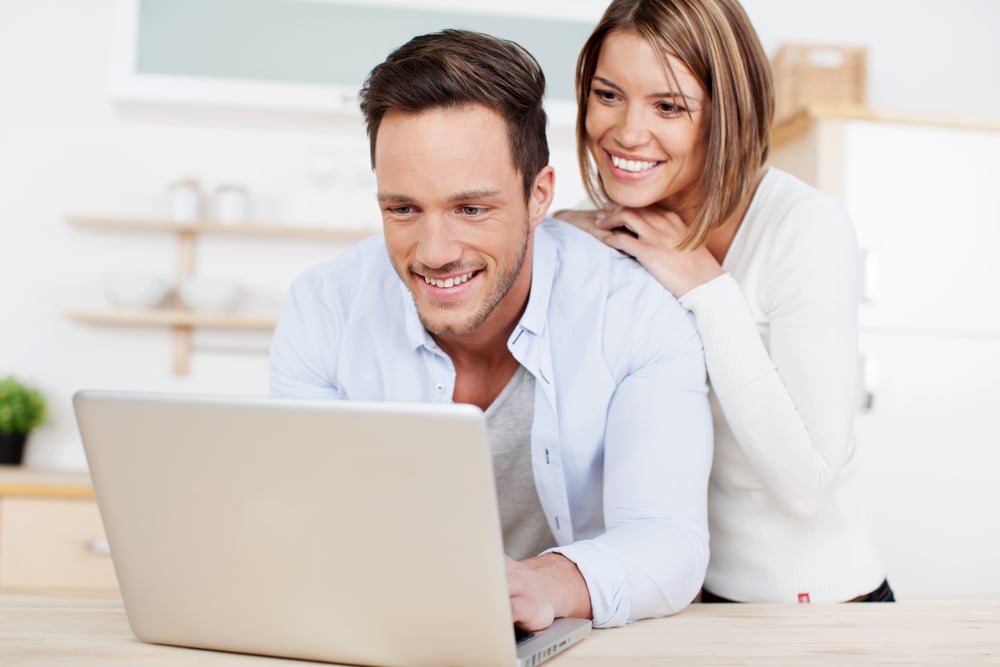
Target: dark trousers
[{"x": 881, "y": 594}]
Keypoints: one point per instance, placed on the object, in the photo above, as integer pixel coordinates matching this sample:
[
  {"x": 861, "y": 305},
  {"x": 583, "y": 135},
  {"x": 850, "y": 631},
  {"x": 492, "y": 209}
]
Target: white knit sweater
[{"x": 780, "y": 334}]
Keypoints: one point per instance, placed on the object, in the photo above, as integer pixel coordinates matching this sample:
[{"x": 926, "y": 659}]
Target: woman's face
[{"x": 648, "y": 136}]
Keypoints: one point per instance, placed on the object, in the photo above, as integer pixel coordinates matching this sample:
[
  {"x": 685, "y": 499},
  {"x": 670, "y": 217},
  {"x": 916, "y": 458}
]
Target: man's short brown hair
[{"x": 456, "y": 68}]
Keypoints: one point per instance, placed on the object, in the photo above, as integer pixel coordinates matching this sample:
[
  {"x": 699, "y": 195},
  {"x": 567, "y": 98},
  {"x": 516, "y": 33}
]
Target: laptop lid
[{"x": 354, "y": 532}]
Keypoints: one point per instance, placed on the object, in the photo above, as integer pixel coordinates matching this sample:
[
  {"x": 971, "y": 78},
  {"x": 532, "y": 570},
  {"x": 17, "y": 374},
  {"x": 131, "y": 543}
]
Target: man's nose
[{"x": 438, "y": 245}]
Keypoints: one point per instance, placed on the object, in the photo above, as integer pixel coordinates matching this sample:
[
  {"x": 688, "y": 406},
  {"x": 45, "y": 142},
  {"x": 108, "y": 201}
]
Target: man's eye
[
  {"x": 400, "y": 210},
  {"x": 473, "y": 211}
]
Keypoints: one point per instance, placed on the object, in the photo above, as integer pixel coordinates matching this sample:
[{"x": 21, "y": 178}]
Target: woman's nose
[{"x": 632, "y": 130}]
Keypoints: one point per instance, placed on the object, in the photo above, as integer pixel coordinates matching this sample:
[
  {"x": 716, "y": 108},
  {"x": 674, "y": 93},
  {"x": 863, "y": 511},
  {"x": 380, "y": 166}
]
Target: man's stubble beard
[{"x": 492, "y": 300}]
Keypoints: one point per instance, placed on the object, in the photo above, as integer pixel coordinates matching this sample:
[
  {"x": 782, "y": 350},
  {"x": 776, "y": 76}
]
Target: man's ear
[{"x": 540, "y": 198}]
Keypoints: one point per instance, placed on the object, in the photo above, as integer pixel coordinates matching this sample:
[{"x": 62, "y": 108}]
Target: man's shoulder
[
  {"x": 360, "y": 268},
  {"x": 570, "y": 237},
  {"x": 604, "y": 305},
  {"x": 588, "y": 264}
]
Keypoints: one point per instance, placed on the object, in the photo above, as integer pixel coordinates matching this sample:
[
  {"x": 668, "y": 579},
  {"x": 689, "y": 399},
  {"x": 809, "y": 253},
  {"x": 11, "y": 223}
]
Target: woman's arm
[{"x": 791, "y": 404}]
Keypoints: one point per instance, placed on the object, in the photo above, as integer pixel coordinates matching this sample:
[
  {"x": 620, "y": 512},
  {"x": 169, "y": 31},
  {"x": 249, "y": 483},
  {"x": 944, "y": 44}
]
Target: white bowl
[
  {"x": 206, "y": 294},
  {"x": 135, "y": 291}
]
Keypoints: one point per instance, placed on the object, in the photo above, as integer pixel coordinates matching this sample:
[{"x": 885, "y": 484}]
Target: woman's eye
[
  {"x": 673, "y": 107},
  {"x": 604, "y": 95}
]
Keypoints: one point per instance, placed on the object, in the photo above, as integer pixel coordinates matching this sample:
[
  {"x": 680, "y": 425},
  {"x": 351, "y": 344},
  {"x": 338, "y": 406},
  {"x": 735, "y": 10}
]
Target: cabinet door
[
  {"x": 53, "y": 545},
  {"x": 926, "y": 204},
  {"x": 930, "y": 450}
]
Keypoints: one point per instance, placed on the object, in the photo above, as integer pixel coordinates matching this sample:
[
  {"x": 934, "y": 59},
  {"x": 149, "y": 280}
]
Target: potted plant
[{"x": 21, "y": 409}]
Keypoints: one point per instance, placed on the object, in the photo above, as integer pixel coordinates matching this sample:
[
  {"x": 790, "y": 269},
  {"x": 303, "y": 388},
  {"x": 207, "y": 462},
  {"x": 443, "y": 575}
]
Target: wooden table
[{"x": 38, "y": 631}]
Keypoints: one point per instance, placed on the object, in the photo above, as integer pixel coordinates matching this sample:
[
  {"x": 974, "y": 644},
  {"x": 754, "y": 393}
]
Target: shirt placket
[
  {"x": 531, "y": 352},
  {"x": 440, "y": 373}
]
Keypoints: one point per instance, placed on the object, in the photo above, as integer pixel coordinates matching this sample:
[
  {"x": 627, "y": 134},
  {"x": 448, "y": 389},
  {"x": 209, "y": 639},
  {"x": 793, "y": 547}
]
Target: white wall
[
  {"x": 65, "y": 146},
  {"x": 923, "y": 56}
]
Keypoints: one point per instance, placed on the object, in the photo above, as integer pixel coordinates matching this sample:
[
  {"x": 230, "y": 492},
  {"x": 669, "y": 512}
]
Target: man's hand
[{"x": 545, "y": 588}]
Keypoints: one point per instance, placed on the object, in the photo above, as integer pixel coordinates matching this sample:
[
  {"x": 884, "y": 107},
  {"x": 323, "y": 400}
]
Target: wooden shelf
[
  {"x": 184, "y": 321},
  {"x": 208, "y": 227},
  {"x": 172, "y": 317}
]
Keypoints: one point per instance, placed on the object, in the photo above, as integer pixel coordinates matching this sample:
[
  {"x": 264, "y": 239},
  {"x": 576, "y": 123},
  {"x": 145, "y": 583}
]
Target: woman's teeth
[
  {"x": 631, "y": 165},
  {"x": 450, "y": 282}
]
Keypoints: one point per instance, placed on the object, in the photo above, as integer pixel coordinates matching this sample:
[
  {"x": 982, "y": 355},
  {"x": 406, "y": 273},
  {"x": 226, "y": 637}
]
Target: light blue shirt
[{"x": 621, "y": 443}]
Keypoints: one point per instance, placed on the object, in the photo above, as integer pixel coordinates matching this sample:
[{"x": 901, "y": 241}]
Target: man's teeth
[
  {"x": 450, "y": 282},
  {"x": 631, "y": 165}
]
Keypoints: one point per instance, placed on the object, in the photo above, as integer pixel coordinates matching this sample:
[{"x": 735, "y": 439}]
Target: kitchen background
[{"x": 82, "y": 136}]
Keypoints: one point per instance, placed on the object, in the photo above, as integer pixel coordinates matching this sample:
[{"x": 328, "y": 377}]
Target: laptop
[{"x": 364, "y": 533}]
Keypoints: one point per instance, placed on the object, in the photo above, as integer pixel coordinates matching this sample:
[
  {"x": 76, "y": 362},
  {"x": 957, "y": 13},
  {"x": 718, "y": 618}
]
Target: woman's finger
[
  {"x": 606, "y": 216},
  {"x": 666, "y": 223},
  {"x": 623, "y": 240}
]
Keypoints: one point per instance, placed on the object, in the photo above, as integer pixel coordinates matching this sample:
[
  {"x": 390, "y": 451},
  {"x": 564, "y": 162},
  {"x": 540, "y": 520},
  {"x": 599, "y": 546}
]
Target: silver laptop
[{"x": 353, "y": 532}]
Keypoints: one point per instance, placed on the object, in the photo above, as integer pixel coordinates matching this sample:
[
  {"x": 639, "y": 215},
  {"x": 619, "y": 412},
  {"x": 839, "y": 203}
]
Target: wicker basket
[{"x": 831, "y": 76}]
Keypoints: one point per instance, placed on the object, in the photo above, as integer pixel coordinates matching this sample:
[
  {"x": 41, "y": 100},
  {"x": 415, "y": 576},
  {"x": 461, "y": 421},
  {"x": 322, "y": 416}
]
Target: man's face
[{"x": 456, "y": 223}]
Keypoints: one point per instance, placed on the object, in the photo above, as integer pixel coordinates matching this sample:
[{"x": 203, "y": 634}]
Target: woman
[{"x": 675, "y": 107}]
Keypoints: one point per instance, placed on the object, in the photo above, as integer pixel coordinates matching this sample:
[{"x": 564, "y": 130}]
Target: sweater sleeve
[{"x": 790, "y": 404}]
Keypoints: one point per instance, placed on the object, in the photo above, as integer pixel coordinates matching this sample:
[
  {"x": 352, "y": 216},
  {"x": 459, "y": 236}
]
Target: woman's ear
[{"x": 541, "y": 195}]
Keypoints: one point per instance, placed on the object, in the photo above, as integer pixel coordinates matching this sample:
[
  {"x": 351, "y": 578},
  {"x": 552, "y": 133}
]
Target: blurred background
[{"x": 167, "y": 167}]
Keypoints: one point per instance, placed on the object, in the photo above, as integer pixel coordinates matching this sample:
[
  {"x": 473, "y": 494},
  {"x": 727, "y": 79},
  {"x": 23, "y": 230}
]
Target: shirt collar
[
  {"x": 416, "y": 334},
  {"x": 543, "y": 271}
]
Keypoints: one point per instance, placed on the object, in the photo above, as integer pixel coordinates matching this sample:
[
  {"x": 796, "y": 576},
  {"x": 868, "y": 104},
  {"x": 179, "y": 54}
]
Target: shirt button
[{"x": 440, "y": 387}]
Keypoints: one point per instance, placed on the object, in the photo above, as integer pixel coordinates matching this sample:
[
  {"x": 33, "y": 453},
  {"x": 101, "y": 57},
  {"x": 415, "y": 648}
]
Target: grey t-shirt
[{"x": 508, "y": 421}]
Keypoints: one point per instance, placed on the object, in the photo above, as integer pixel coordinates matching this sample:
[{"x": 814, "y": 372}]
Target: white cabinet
[
  {"x": 930, "y": 451},
  {"x": 926, "y": 204},
  {"x": 925, "y": 199}
]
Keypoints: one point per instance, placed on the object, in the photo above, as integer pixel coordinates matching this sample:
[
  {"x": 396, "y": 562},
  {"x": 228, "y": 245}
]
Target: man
[{"x": 591, "y": 375}]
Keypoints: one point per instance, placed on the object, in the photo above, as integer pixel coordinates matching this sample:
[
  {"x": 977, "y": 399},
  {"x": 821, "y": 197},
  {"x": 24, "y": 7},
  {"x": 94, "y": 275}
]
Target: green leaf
[{"x": 21, "y": 408}]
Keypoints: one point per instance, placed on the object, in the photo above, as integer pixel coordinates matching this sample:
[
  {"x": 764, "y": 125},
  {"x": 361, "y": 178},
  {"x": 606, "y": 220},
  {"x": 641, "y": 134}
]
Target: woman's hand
[
  {"x": 585, "y": 220},
  {"x": 651, "y": 235}
]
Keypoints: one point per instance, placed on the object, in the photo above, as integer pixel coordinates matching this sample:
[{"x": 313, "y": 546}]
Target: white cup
[
  {"x": 230, "y": 204},
  {"x": 185, "y": 201}
]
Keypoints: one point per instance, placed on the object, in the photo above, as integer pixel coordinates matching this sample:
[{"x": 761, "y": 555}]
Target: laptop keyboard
[{"x": 521, "y": 636}]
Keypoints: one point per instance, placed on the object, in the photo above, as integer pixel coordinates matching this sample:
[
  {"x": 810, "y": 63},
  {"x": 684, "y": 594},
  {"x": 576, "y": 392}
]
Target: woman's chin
[{"x": 632, "y": 199}]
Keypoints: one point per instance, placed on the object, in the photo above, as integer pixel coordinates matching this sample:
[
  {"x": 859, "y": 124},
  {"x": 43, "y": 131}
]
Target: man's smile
[{"x": 448, "y": 283}]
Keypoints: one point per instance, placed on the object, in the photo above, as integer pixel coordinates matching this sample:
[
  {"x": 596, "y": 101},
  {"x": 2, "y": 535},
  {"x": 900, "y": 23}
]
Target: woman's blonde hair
[{"x": 717, "y": 43}]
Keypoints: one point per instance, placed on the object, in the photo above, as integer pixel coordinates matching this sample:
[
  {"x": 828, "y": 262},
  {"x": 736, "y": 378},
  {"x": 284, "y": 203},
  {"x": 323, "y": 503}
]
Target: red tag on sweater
[{"x": 803, "y": 598}]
